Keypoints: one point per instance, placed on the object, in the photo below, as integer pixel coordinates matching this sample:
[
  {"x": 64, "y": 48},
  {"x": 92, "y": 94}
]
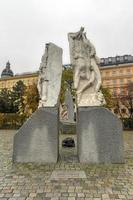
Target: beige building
[
  {"x": 8, "y": 80},
  {"x": 116, "y": 73},
  {"x": 27, "y": 78},
  {"x": 116, "y": 78}
]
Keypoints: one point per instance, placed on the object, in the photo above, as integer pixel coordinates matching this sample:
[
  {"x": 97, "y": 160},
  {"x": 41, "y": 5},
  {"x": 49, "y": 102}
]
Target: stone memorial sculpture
[
  {"x": 87, "y": 79},
  {"x": 49, "y": 81},
  {"x": 99, "y": 132},
  {"x": 37, "y": 140}
]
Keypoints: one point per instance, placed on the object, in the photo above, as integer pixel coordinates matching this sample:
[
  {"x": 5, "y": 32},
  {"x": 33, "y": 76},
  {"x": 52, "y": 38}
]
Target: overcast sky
[{"x": 26, "y": 25}]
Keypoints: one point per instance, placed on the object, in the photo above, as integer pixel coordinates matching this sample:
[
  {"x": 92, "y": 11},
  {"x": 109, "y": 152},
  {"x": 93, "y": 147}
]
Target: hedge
[{"x": 11, "y": 120}]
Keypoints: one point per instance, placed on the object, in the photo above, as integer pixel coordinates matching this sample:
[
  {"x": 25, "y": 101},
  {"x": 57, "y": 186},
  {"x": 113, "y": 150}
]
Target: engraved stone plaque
[{"x": 66, "y": 174}]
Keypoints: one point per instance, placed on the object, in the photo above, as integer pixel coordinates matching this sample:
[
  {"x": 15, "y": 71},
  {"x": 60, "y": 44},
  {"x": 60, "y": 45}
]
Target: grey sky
[{"x": 26, "y": 25}]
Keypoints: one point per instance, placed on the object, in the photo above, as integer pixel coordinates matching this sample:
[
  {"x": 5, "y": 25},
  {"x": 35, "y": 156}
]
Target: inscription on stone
[{"x": 66, "y": 174}]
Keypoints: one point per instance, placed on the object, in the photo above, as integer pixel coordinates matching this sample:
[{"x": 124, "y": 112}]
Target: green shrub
[{"x": 11, "y": 120}]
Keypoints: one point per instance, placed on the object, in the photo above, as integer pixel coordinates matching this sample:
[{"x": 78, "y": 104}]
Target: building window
[
  {"x": 113, "y": 72},
  {"x": 122, "y": 92},
  {"x": 128, "y": 70},
  {"x": 102, "y": 60},
  {"x": 107, "y": 73},
  {"x": 114, "y": 82},
  {"x": 117, "y": 58},
  {"x": 125, "y": 57},
  {"x": 114, "y": 92},
  {"x": 121, "y": 71},
  {"x": 110, "y": 60},
  {"x": 108, "y": 82},
  {"x": 128, "y": 81},
  {"x": 121, "y": 81}
]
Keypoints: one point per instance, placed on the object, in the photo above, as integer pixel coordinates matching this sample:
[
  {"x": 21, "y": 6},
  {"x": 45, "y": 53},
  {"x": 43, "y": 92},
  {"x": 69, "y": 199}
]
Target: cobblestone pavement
[{"x": 28, "y": 182}]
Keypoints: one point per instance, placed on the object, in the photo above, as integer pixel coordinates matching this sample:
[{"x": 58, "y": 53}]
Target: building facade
[{"x": 116, "y": 73}]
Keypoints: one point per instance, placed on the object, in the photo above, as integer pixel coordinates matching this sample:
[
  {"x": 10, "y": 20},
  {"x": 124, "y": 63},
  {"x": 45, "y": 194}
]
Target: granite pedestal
[
  {"x": 100, "y": 136},
  {"x": 37, "y": 140}
]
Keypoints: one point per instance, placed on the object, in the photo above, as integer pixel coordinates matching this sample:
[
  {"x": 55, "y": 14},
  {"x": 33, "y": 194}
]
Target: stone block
[
  {"x": 67, "y": 127},
  {"x": 100, "y": 136},
  {"x": 37, "y": 140}
]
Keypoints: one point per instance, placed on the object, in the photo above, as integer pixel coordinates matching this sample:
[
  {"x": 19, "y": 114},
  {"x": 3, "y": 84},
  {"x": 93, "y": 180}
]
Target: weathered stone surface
[
  {"x": 100, "y": 137},
  {"x": 87, "y": 78},
  {"x": 50, "y": 72},
  {"x": 70, "y": 105},
  {"x": 108, "y": 182},
  {"x": 37, "y": 140},
  {"x": 66, "y": 174},
  {"x": 68, "y": 127}
]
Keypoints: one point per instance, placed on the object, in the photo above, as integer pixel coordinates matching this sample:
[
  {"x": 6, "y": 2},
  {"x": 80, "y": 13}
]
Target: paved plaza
[{"x": 28, "y": 182}]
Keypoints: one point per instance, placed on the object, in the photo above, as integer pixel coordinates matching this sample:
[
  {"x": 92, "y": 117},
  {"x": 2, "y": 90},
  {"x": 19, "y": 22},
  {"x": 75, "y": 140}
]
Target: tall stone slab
[
  {"x": 37, "y": 140},
  {"x": 100, "y": 136},
  {"x": 50, "y": 73},
  {"x": 70, "y": 106}
]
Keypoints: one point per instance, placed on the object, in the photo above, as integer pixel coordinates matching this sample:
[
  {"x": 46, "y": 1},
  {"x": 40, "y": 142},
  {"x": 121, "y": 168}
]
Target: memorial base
[
  {"x": 100, "y": 136},
  {"x": 37, "y": 140}
]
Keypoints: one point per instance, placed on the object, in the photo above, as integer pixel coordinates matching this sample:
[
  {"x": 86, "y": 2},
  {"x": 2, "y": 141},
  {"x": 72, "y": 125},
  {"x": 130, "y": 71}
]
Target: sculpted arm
[
  {"x": 90, "y": 81},
  {"x": 98, "y": 75}
]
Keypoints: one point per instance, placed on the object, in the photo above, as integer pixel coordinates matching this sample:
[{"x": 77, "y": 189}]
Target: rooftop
[{"x": 116, "y": 60}]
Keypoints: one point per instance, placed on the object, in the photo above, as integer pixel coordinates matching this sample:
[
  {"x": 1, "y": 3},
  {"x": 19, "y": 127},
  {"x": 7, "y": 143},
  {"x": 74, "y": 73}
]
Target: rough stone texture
[
  {"x": 65, "y": 174},
  {"x": 70, "y": 106},
  {"x": 33, "y": 182},
  {"x": 37, "y": 140},
  {"x": 50, "y": 72},
  {"x": 67, "y": 127},
  {"x": 99, "y": 136}
]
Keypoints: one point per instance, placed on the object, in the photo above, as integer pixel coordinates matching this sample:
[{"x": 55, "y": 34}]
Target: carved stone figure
[
  {"x": 87, "y": 79},
  {"x": 70, "y": 105},
  {"x": 50, "y": 72}
]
